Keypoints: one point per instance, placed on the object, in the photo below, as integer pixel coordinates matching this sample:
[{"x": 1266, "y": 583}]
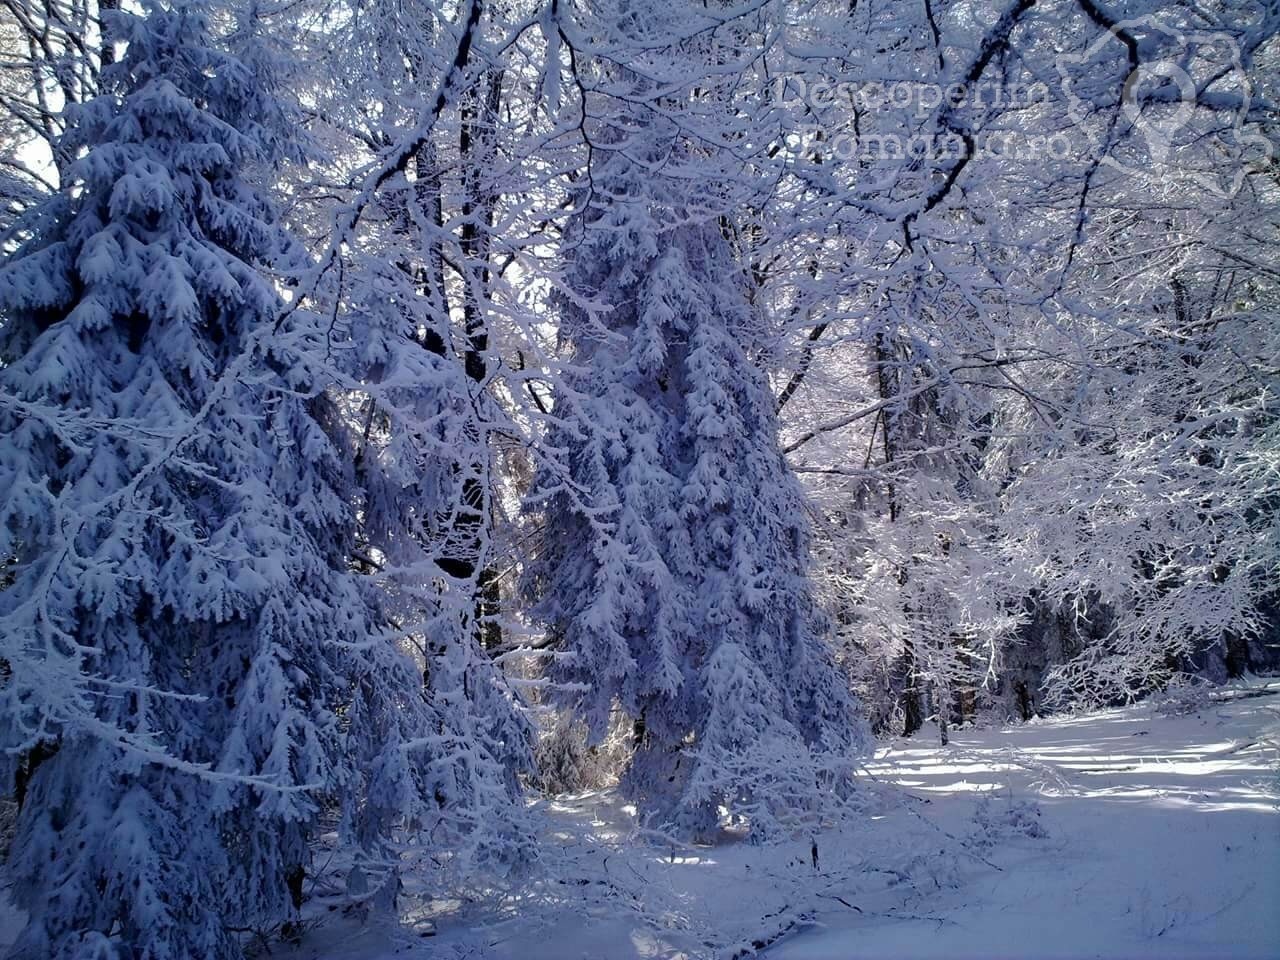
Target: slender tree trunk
[
  {"x": 912, "y": 710},
  {"x": 477, "y": 143},
  {"x": 468, "y": 538}
]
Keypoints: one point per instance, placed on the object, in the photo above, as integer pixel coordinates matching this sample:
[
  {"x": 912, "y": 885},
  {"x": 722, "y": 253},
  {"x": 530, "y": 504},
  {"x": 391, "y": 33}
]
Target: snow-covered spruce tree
[
  {"x": 184, "y": 640},
  {"x": 673, "y": 562}
]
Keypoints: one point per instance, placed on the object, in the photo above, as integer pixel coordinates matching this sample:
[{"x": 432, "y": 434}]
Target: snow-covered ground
[
  {"x": 1117, "y": 834},
  {"x": 1163, "y": 840}
]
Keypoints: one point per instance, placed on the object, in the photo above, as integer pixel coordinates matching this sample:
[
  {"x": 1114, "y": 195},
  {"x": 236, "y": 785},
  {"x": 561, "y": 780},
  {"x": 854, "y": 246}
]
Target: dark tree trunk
[
  {"x": 1237, "y": 657},
  {"x": 942, "y": 707},
  {"x": 1025, "y": 709},
  {"x": 912, "y": 709},
  {"x": 293, "y": 878},
  {"x": 27, "y": 766}
]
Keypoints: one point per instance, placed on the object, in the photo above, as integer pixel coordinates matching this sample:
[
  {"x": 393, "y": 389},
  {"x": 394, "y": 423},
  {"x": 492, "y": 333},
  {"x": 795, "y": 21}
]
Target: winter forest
[{"x": 621, "y": 478}]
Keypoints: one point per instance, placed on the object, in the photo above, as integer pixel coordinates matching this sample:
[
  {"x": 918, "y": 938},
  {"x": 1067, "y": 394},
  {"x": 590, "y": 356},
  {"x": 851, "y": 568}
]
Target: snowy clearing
[
  {"x": 1116, "y": 834},
  {"x": 1164, "y": 834}
]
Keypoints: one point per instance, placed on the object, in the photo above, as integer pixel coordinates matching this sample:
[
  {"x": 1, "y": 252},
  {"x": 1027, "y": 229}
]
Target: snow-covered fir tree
[
  {"x": 672, "y": 571},
  {"x": 193, "y": 667}
]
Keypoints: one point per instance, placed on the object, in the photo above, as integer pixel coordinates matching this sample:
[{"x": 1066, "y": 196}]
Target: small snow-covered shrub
[
  {"x": 997, "y": 820},
  {"x": 1185, "y": 695}
]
